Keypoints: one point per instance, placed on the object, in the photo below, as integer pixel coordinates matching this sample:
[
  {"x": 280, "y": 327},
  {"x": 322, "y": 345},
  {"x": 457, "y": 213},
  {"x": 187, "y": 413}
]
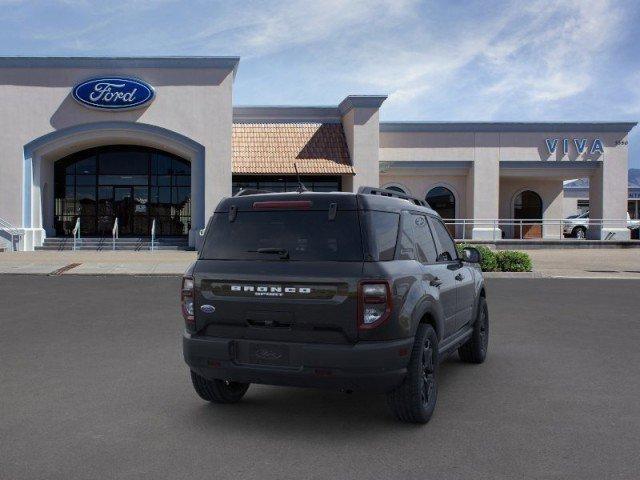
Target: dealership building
[{"x": 158, "y": 141}]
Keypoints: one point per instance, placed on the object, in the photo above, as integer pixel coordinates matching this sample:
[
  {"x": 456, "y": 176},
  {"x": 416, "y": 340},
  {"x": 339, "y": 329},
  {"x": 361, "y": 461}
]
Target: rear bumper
[{"x": 364, "y": 366}]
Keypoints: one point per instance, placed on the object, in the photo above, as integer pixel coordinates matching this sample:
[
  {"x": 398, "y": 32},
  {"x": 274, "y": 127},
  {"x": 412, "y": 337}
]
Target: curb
[{"x": 512, "y": 275}]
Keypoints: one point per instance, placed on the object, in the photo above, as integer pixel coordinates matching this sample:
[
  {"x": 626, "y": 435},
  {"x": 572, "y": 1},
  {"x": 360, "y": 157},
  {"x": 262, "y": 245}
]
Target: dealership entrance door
[
  {"x": 129, "y": 205},
  {"x": 135, "y": 185}
]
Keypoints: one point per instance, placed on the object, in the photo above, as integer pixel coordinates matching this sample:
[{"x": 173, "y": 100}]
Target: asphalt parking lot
[{"x": 93, "y": 386}]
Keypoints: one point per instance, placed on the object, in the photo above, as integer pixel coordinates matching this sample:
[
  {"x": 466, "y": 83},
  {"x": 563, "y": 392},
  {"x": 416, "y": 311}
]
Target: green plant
[
  {"x": 512, "y": 261},
  {"x": 488, "y": 263}
]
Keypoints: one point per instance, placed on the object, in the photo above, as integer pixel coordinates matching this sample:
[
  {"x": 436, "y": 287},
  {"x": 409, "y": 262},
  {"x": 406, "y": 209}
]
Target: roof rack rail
[
  {"x": 250, "y": 191},
  {"x": 383, "y": 192}
]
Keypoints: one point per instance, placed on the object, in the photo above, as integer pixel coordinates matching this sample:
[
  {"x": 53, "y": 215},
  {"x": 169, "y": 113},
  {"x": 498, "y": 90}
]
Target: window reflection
[
  {"x": 279, "y": 183},
  {"x": 134, "y": 184}
]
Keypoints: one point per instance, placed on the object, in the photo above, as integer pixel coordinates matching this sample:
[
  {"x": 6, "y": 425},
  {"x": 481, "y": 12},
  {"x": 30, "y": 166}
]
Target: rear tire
[
  {"x": 218, "y": 391},
  {"x": 415, "y": 400},
  {"x": 475, "y": 350}
]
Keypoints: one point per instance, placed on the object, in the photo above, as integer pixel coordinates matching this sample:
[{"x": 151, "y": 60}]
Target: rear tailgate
[
  {"x": 278, "y": 301},
  {"x": 281, "y": 267}
]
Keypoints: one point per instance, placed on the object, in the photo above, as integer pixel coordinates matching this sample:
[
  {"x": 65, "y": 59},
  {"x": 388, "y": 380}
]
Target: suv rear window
[{"x": 305, "y": 235}]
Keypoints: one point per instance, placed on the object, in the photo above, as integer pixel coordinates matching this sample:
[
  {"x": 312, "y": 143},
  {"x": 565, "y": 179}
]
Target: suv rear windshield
[{"x": 304, "y": 235}]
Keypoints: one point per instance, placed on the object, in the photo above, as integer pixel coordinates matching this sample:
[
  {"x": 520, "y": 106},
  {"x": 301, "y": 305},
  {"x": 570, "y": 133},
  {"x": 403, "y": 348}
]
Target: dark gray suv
[{"x": 337, "y": 290}]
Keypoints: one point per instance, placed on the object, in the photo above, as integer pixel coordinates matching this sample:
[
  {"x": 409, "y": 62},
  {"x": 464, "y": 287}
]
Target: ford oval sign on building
[{"x": 113, "y": 93}]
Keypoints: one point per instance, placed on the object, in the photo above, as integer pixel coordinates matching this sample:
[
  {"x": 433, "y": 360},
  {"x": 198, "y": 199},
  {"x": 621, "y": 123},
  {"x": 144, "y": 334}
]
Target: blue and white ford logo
[
  {"x": 207, "y": 308},
  {"x": 113, "y": 93}
]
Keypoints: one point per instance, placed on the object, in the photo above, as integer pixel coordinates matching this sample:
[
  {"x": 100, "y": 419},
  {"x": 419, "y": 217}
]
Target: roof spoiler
[{"x": 383, "y": 192}]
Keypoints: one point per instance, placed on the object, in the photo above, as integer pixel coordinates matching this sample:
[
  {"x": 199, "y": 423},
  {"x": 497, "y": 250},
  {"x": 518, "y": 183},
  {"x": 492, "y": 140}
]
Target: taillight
[
  {"x": 374, "y": 300},
  {"x": 186, "y": 299}
]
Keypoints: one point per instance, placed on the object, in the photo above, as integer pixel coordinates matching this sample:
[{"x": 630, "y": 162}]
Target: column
[
  {"x": 485, "y": 182},
  {"x": 608, "y": 195},
  {"x": 361, "y": 125},
  {"x": 197, "y": 198},
  {"x": 33, "y": 233}
]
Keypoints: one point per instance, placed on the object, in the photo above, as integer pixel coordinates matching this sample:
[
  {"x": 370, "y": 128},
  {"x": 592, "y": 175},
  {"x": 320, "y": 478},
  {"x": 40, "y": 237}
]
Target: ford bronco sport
[{"x": 339, "y": 290}]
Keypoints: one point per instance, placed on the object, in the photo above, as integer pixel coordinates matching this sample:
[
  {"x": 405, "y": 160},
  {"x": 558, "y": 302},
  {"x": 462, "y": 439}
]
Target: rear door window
[
  {"x": 383, "y": 233},
  {"x": 406, "y": 247},
  {"x": 446, "y": 246},
  {"x": 304, "y": 235},
  {"x": 425, "y": 246}
]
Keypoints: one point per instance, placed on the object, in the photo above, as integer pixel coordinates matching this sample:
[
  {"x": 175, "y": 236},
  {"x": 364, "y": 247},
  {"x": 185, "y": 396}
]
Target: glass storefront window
[
  {"x": 278, "y": 183},
  {"x": 123, "y": 179},
  {"x": 86, "y": 166},
  {"x": 85, "y": 179},
  {"x": 124, "y": 161},
  {"x": 133, "y": 184}
]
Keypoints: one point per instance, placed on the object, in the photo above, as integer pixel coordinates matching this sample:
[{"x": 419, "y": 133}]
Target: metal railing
[
  {"x": 76, "y": 234},
  {"x": 538, "y": 228},
  {"x": 114, "y": 234},
  {"x": 153, "y": 235},
  {"x": 12, "y": 231}
]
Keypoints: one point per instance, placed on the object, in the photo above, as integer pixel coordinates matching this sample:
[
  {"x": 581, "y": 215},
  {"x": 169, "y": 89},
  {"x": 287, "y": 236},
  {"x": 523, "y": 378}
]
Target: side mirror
[{"x": 471, "y": 255}]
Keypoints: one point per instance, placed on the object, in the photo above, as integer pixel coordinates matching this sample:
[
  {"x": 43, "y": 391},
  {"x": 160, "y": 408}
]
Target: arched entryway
[
  {"x": 527, "y": 206},
  {"x": 133, "y": 184},
  {"x": 443, "y": 201},
  {"x": 42, "y": 154}
]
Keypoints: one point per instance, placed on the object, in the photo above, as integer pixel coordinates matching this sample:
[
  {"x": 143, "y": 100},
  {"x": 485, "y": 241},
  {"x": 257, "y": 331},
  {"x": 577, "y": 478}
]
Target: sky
[{"x": 444, "y": 60}]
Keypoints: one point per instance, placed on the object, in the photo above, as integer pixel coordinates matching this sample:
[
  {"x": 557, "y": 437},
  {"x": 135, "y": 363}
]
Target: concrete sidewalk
[
  {"x": 161, "y": 262},
  {"x": 547, "y": 263},
  {"x": 586, "y": 263}
]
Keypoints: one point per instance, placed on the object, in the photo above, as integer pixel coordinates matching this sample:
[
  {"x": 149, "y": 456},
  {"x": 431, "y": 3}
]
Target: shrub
[
  {"x": 512, "y": 261},
  {"x": 488, "y": 262}
]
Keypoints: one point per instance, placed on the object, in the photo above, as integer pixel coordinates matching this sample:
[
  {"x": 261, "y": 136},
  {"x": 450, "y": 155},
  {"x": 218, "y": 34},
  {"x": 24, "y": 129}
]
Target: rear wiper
[{"x": 283, "y": 252}]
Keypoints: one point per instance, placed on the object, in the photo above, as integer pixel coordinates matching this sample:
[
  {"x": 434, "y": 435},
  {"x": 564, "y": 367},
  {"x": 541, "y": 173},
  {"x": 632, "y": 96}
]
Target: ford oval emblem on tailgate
[{"x": 207, "y": 308}]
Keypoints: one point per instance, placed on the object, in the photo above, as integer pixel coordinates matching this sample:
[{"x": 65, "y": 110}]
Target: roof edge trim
[
  {"x": 360, "y": 101},
  {"x": 286, "y": 114},
  {"x": 549, "y": 127},
  {"x": 224, "y": 63}
]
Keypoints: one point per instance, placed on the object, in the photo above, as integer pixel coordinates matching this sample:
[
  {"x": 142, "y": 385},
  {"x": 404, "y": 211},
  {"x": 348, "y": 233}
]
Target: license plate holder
[{"x": 269, "y": 354}]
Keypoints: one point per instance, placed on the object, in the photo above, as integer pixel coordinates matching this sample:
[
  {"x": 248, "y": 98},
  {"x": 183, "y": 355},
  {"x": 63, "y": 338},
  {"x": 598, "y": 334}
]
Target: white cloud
[
  {"x": 553, "y": 52},
  {"x": 536, "y": 53},
  {"x": 631, "y": 105},
  {"x": 262, "y": 28}
]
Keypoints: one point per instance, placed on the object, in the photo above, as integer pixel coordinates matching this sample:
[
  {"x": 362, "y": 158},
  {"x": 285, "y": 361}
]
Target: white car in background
[{"x": 576, "y": 225}]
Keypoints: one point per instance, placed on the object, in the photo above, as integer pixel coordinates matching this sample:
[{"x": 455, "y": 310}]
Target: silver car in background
[{"x": 576, "y": 225}]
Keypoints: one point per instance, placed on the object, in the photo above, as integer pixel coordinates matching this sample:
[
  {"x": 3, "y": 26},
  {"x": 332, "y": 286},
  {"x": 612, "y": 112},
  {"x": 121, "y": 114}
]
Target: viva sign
[
  {"x": 113, "y": 93},
  {"x": 596, "y": 146}
]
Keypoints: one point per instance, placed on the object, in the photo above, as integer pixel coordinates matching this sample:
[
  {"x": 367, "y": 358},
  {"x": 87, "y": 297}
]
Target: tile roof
[{"x": 274, "y": 148}]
